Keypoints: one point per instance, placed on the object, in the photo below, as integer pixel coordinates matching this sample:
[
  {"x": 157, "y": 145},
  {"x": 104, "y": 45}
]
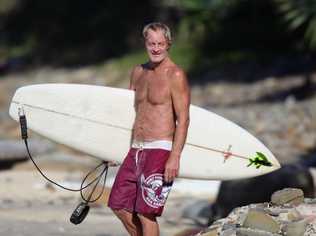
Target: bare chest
[{"x": 152, "y": 88}]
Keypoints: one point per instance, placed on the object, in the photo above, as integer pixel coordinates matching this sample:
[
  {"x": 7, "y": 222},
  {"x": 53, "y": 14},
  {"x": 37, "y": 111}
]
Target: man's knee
[
  {"x": 144, "y": 218},
  {"x": 130, "y": 221},
  {"x": 123, "y": 214}
]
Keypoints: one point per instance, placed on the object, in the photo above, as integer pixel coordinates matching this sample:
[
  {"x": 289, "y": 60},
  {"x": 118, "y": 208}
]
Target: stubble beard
[{"x": 154, "y": 63}]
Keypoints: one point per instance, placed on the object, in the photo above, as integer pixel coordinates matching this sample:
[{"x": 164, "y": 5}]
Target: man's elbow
[{"x": 184, "y": 122}]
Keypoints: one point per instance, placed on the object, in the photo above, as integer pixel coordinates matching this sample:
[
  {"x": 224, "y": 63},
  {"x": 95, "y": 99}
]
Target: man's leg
[
  {"x": 130, "y": 221},
  {"x": 149, "y": 225},
  {"x": 148, "y": 205}
]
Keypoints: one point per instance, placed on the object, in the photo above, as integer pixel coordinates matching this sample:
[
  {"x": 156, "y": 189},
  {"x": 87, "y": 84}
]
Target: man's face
[{"x": 156, "y": 45}]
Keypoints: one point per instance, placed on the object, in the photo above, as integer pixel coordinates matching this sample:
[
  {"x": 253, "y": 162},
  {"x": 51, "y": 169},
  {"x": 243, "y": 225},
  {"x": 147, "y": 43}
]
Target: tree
[{"x": 300, "y": 14}]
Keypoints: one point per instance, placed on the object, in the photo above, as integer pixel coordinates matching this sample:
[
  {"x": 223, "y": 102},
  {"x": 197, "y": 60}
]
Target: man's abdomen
[{"x": 154, "y": 124}]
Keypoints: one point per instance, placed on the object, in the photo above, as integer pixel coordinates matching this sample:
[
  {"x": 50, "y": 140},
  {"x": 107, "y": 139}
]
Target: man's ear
[{"x": 169, "y": 46}]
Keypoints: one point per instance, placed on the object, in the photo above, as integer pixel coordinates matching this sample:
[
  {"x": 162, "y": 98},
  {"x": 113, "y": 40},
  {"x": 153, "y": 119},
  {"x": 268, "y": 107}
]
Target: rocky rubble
[
  {"x": 15, "y": 149},
  {"x": 288, "y": 213}
]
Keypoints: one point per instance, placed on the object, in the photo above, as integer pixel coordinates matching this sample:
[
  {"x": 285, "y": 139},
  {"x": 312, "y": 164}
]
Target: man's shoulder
[
  {"x": 137, "y": 68},
  {"x": 137, "y": 71},
  {"x": 176, "y": 72}
]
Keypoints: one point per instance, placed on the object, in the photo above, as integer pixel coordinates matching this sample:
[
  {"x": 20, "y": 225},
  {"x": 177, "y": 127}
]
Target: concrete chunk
[
  {"x": 296, "y": 228},
  {"x": 262, "y": 221},
  {"x": 293, "y": 196},
  {"x": 254, "y": 232}
]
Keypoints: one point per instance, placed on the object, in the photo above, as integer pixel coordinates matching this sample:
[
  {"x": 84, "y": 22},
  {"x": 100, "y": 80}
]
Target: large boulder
[
  {"x": 275, "y": 218},
  {"x": 14, "y": 151},
  {"x": 242, "y": 192}
]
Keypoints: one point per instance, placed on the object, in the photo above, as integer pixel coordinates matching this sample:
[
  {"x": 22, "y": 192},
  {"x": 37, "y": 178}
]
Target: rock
[
  {"x": 296, "y": 228},
  {"x": 262, "y": 221},
  {"x": 189, "y": 232},
  {"x": 260, "y": 189},
  {"x": 290, "y": 215},
  {"x": 267, "y": 219},
  {"x": 288, "y": 196},
  {"x": 16, "y": 150},
  {"x": 198, "y": 211},
  {"x": 254, "y": 232},
  {"x": 310, "y": 200},
  {"x": 275, "y": 211},
  {"x": 228, "y": 232},
  {"x": 308, "y": 211},
  {"x": 210, "y": 233},
  {"x": 310, "y": 230}
]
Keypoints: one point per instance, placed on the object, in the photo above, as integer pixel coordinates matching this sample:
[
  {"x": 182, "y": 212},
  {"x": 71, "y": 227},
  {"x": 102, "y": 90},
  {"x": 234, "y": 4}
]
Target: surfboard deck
[{"x": 98, "y": 120}]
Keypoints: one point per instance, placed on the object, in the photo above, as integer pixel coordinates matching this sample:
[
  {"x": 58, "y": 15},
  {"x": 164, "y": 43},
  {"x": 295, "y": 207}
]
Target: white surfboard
[{"x": 98, "y": 120}]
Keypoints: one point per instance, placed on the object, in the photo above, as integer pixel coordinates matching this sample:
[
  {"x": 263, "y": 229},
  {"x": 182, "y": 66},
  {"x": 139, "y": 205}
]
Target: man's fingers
[
  {"x": 166, "y": 177},
  {"x": 170, "y": 175}
]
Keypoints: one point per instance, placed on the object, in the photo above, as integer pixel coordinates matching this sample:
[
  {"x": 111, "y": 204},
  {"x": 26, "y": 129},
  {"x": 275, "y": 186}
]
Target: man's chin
[{"x": 156, "y": 60}]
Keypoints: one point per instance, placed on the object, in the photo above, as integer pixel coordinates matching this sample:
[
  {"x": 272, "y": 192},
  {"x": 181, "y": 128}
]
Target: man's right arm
[{"x": 137, "y": 70}]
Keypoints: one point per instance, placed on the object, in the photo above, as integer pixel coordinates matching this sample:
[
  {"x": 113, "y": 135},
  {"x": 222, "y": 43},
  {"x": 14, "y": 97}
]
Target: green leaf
[
  {"x": 300, "y": 13},
  {"x": 297, "y": 22}
]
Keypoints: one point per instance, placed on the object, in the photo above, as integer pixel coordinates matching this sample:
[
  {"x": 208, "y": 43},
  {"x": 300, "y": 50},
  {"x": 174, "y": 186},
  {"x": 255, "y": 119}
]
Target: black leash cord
[
  {"x": 94, "y": 187},
  {"x": 23, "y": 124}
]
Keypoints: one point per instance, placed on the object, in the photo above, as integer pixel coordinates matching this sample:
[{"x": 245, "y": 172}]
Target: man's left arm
[{"x": 180, "y": 94}]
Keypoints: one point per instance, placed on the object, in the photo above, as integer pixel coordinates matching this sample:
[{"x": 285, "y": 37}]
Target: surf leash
[{"x": 82, "y": 209}]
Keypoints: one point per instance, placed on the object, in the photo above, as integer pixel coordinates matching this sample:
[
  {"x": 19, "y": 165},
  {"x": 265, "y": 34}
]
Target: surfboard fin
[{"x": 259, "y": 160}]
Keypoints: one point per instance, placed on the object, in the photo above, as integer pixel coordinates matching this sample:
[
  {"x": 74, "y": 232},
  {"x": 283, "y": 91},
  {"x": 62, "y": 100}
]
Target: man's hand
[
  {"x": 172, "y": 167},
  {"x": 113, "y": 163}
]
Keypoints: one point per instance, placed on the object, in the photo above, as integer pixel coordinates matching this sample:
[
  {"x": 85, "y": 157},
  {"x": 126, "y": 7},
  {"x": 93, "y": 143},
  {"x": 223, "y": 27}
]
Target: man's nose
[{"x": 156, "y": 48}]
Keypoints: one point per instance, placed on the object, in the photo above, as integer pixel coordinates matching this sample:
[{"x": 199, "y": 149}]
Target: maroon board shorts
[{"x": 139, "y": 186}]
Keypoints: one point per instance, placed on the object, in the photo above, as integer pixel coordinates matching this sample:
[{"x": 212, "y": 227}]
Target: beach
[{"x": 30, "y": 205}]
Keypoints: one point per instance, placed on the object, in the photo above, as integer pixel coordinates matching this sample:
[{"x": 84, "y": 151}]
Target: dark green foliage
[
  {"x": 77, "y": 31},
  {"x": 300, "y": 14},
  {"x": 208, "y": 33}
]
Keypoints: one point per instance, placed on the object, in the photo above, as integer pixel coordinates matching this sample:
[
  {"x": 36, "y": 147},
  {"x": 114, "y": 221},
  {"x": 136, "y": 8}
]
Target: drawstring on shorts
[
  {"x": 141, "y": 145},
  {"x": 140, "y": 149}
]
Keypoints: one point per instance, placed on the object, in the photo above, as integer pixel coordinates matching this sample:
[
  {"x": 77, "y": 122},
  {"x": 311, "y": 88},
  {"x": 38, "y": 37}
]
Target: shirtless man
[{"x": 162, "y": 100}]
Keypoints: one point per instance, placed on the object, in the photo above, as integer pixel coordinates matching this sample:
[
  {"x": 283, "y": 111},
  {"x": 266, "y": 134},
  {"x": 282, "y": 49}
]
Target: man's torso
[{"x": 155, "y": 119}]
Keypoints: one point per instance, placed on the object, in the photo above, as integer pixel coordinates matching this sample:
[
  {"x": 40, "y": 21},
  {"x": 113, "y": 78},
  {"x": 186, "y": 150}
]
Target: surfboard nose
[{"x": 15, "y": 106}]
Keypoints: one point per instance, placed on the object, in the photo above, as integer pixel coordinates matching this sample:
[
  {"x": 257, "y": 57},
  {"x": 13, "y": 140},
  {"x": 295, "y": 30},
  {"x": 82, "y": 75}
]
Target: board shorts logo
[{"x": 153, "y": 191}]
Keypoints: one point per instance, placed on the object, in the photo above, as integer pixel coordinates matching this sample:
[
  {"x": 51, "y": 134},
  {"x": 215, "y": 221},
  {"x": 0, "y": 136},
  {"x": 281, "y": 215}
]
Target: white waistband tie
[{"x": 157, "y": 144}]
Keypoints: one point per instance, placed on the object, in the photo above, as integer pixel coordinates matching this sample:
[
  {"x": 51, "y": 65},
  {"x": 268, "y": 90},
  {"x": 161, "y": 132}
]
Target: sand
[{"x": 29, "y": 205}]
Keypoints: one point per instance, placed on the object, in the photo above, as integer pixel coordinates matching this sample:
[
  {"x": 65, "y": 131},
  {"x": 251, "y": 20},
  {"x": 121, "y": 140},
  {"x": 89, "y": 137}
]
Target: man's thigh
[
  {"x": 124, "y": 189},
  {"x": 152, "y": 191}
]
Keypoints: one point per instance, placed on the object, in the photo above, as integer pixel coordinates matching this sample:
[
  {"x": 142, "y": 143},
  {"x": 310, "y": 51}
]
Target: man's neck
[{"x": 161, "y": 64}]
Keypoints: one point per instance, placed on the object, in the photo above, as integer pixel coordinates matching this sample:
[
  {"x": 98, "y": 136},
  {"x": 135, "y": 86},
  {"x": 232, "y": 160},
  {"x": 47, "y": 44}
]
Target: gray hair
[{"x": 158, "y": 26}]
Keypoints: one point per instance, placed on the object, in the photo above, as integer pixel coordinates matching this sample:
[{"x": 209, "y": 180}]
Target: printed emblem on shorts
[{"x": 153, "y": 191}]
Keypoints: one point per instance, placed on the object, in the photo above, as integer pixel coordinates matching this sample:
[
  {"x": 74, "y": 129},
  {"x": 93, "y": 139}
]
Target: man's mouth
[{"x": 155, "y": 53}]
